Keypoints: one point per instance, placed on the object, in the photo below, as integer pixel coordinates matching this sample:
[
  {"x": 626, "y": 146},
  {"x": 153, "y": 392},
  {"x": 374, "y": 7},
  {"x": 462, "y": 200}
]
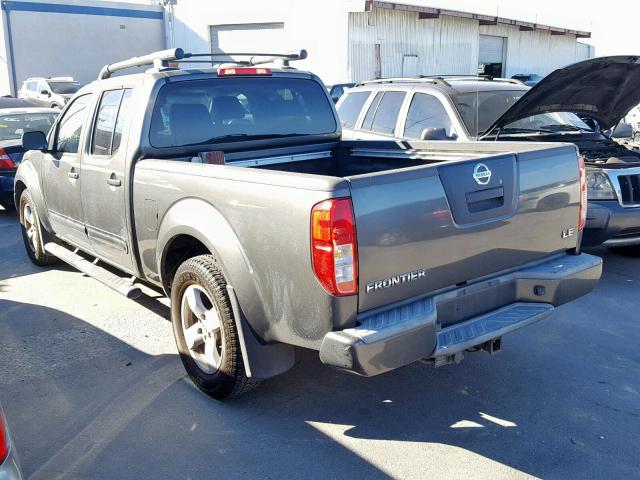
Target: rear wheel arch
[
  {"x": 177, "y": 250},
  {"x": 207, "y": 231}
]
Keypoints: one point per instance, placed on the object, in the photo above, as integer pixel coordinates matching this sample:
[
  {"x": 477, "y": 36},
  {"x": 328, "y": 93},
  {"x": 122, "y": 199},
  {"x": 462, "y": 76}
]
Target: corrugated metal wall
[
  {"x": 533, "y": 52},
  {"x": 448, "y": 45}
]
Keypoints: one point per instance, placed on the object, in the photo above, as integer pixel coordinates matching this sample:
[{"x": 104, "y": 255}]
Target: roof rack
[
  {"x": 162, "y": 59},
  {"x": 487, "y": 78},
  {"x": 420, "y": 78}
]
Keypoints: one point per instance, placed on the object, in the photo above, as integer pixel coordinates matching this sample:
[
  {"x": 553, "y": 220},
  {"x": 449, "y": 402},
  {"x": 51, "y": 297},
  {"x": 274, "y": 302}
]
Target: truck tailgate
[{"x": 426, "y": 228}]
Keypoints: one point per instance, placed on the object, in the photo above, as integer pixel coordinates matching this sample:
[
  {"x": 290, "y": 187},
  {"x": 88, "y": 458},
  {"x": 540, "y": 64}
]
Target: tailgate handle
[{"x": 485, "y": 199}]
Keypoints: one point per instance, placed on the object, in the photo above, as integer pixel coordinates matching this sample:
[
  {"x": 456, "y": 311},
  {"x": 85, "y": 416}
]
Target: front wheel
[
  {"x": 32, "y": 232},
  {"x": 205, "y": 329}
]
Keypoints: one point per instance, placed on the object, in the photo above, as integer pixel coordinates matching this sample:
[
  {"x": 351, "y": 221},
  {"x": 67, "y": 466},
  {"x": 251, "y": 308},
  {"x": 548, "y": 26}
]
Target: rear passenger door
[
  {"x": 103, "y": 188},
  {"x": 381, "y": 121}
]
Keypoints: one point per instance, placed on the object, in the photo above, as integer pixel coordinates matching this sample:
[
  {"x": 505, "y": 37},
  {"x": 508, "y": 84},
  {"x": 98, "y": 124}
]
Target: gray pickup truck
[{"x": 232, "y": 190}]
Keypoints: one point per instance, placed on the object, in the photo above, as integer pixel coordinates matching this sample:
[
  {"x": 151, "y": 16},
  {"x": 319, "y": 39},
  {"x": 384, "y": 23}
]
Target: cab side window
[
  {"x": 70, "y": 125},
  {"x": 112, "y": 119},
  {"x": 426, "y": 111}
]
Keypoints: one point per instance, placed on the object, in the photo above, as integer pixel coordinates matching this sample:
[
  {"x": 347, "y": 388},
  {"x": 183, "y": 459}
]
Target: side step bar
[{"x": 124, "y": 286}]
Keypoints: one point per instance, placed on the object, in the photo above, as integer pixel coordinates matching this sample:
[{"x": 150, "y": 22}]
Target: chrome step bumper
[{"x": 389, "y": 338}]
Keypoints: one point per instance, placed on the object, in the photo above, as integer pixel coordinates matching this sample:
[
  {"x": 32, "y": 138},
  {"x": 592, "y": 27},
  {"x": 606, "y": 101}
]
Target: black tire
[
  {"x": 629, "y": 251},
  {"x": 33, "y": 245},
  {"x": 230, "y": 378}
]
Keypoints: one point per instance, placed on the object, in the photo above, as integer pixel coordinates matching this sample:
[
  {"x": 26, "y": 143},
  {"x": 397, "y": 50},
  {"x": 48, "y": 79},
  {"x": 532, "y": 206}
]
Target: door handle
[
  {"x": 113, "y": 181},
  {"x": 73, "y": 174}
]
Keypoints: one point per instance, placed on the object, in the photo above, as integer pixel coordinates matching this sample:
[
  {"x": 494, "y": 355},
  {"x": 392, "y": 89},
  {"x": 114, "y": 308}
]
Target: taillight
[
  {"x": 582, "y": 215},
  {"x": 230, "y": 71},
  {"x": 5, "y": 161},
  {"x": 4, "y": 441},
  {"x": 334, "y": 251}
]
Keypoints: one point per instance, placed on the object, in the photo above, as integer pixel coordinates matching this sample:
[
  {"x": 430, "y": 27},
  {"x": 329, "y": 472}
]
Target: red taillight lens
[
  {"x": 4, "y": 441},
  {"x": 230, "y": 71},
  {"x": 5, "y": 161},
  {"x": 582, "y": 216},
  {"x": 334, "y": 250}
]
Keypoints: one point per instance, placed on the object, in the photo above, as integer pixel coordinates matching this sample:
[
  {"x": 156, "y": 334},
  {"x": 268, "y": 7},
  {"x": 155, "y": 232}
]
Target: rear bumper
[
  {"x": 609, "y": 224},
  {"x": 451, "y": 322}
]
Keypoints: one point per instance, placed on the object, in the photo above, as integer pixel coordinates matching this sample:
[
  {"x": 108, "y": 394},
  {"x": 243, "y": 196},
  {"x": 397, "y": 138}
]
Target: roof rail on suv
[
  {"x": 441, "y": 79},
  {"x": 421, "y": 78},
  {"x": 162, "y": 59}
]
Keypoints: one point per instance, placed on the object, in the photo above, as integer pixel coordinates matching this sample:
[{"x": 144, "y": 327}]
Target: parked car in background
[
  {"x": 529, "y": 79},
  {"x": 9, "y": 466},
  {"x": 16, "y": 117},
  {"x": 576, "y": 104},
  {"x": 53, "y": 92},
  {"x": 336, "y": 91},
  {"x": 231, "y": 188}
]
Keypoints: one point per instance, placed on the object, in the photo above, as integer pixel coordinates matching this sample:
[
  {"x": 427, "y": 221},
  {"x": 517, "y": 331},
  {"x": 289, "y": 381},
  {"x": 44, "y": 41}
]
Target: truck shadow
[{"x": 83, "y": 403}]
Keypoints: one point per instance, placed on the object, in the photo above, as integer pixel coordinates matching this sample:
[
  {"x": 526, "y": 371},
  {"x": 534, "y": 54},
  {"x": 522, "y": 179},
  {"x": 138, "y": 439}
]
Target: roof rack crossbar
[
  {"x": 421, "y": 78},
  {"x": 162, "y": 58}
]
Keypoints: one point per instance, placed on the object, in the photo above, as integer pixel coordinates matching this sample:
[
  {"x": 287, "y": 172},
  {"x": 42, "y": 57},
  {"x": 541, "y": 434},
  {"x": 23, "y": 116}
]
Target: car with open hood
[{"x": 581, "y": 104}]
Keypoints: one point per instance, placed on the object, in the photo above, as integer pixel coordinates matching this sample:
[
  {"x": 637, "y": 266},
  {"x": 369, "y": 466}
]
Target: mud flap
[{"x": 260, "y": 361}]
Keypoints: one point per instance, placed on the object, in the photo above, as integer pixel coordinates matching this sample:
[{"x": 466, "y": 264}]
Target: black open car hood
[{"x": 604, "y": 88}]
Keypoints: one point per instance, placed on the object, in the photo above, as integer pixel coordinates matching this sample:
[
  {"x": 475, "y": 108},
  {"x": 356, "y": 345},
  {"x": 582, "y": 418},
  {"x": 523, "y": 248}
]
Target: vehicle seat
[
  {"x": 229, "y": 111},
  {"x": 190, "y": 123}
]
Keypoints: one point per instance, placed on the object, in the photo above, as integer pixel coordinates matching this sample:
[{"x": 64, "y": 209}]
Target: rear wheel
[
  {"x": 32, "y": 232},
  {"x": 205, "y": 329}
]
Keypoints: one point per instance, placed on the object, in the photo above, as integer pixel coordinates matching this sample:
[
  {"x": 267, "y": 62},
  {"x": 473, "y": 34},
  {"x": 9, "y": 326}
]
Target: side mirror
[
  {"x": 623, "y": 130},
  {"x": 433, "y": 133},
  {"x": 45, "y": 92},
  {"x": 34, "y": 141}
]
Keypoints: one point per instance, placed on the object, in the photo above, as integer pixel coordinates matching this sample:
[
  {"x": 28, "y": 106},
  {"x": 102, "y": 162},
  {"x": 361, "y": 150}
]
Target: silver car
[{"x": 9, "y": 466}]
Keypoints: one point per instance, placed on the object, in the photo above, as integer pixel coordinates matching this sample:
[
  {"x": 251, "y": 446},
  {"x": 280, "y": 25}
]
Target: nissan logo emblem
[{"x": 481, "y": 174}]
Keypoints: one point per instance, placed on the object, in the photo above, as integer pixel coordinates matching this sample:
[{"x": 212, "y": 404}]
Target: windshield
[
  {"x": 64, "y": 88},
  {"x": 479, "y": 110},
  {"x": 198, "y": 112},
  {"x": 13, "y": 126}
]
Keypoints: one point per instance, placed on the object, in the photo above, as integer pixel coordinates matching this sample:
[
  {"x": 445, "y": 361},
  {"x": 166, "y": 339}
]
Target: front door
[
  {"x": 62, "y": 173},
  {"x": 104, "y": 186}
]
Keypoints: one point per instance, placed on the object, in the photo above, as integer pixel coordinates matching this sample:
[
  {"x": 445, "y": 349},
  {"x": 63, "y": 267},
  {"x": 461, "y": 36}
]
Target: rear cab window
[
  {"x": 217, "y": 110},
  {"x": 349, "y": 109}
]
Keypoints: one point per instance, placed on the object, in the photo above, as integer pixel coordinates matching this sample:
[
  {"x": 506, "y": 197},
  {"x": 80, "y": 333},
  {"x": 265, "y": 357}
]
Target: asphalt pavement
[{"x": 93, "y": 389}]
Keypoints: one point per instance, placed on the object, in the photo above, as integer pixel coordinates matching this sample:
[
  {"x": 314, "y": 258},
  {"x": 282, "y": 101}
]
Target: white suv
[{"x": 52, "y": 92}]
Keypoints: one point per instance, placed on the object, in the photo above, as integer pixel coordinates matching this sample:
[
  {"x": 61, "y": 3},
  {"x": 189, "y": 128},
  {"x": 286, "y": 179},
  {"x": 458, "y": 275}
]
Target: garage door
[
  {"x": 248, "y": 37},
  {"x": 491, "y": 55}
]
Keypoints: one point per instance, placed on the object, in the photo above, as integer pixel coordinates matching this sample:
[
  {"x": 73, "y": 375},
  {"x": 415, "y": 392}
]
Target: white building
[
  {"x": 354, "y": 40},
  {"x": 42, "y": 38}
]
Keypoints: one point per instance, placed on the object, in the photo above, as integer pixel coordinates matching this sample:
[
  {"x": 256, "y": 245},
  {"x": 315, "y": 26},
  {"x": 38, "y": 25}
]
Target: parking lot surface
[{"x": 93, "y": 389}]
